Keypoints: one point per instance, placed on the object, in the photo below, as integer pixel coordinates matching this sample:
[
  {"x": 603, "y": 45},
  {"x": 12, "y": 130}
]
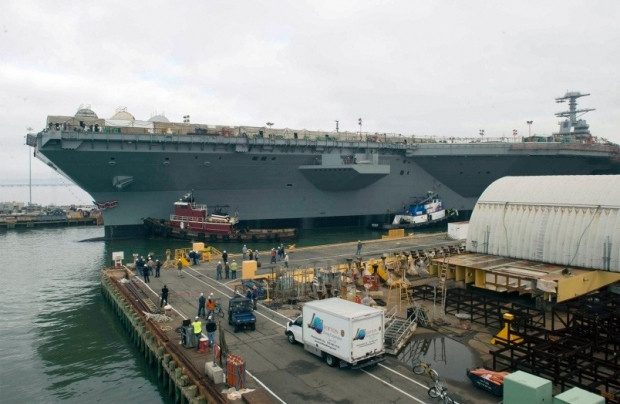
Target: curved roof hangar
[{"x": 565, "y": 220}]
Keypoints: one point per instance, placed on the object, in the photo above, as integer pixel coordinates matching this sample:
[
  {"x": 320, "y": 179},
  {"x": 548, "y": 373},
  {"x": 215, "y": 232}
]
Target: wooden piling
[{"x": 157, "y": 351}]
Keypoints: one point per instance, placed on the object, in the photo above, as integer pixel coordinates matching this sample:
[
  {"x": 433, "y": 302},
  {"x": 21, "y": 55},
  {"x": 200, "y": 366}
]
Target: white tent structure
[{"x": 563, "y": 220}]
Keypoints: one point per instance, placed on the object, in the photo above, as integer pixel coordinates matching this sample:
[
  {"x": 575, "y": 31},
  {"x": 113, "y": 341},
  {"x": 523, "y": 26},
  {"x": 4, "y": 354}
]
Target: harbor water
[{"x": 59, "y": 340}]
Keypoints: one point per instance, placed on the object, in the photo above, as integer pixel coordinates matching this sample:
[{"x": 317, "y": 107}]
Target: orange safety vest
[{"x": 210, "y": 304}]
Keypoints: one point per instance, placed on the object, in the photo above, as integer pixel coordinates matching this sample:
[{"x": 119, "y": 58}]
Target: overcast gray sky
[{"x": 442, "y": 68}]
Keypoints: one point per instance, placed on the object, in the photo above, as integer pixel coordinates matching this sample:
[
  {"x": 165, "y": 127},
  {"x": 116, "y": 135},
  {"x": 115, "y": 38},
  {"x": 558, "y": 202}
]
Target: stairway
[{"x": 398, "y": 331}]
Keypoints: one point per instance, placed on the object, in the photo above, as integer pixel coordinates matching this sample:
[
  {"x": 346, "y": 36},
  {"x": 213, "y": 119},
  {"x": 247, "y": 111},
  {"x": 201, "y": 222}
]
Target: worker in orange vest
[{"x": 210, "y": 305}]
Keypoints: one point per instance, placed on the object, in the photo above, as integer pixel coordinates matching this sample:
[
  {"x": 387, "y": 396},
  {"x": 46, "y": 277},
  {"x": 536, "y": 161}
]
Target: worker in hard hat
[
  {"x": 210, "y": 305},
  {"x": 218, "y": 270},
  {"x": 197, "y": 324}
]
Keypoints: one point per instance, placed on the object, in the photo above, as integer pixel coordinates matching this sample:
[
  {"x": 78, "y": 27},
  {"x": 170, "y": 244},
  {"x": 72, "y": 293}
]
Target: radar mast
[{"x": 571, "y": 125}]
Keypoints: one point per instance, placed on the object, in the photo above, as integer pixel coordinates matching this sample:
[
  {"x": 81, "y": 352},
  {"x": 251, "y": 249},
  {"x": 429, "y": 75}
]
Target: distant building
[{"x": 6, "y": 208}]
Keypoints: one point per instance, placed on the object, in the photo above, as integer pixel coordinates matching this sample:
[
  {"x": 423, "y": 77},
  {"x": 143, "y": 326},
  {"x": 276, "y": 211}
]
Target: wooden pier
[
  {"x": 31, "y": 223},
  {"x": 175, "y": 368}
]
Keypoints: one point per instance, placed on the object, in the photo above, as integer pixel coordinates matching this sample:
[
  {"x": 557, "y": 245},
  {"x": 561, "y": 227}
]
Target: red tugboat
[
  {"x": 192, "y": 217},
  {"x": 191, "y": 221}
]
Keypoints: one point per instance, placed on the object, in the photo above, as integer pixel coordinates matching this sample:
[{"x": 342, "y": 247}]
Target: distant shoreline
[{"x": 44, "y": 193}]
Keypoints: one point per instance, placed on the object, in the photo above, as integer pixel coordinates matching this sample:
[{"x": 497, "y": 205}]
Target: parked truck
[
  {"x": 340, "y": 331},
  {"x": 240, "y": 313}
]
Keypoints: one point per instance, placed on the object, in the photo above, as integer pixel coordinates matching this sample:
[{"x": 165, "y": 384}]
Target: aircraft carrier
[{"x": 275, "y": 177}]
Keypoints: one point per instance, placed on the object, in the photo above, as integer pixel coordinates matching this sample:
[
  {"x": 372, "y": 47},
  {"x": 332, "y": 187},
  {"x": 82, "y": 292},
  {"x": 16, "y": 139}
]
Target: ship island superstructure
[{"x": 275, "y": 177}]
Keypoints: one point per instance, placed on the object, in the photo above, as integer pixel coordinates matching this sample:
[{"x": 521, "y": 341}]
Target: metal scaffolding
[{"x": 580, "y": 349}]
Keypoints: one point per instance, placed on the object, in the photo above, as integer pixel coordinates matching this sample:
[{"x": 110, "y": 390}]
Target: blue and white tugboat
[{"x": 428, "y": 211}]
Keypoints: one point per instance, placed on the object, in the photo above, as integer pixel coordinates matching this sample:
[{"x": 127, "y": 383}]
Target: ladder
[
  {"x": 440, "y": 289},
  {"x": 540, "y": 242},
  {"x": 403, "y": 293}
]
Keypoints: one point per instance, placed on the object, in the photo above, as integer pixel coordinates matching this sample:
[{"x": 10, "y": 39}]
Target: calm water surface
[{"x": 58, "y": 339}]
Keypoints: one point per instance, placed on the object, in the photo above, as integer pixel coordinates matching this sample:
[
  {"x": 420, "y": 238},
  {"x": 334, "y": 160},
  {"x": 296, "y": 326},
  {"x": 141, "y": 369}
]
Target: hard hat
[{"x": 196, "y": 317}]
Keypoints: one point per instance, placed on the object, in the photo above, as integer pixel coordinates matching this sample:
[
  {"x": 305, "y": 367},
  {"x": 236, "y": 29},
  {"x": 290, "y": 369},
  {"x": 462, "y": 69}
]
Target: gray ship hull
[{"x": 295, "y": 181}]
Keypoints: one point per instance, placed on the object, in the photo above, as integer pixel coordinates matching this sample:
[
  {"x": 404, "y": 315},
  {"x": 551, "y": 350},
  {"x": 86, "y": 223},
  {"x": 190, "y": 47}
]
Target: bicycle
[
  {"x": 419, "y": 315},
  {"x": 440, "y": 391},
  {"x": 420, "y": 367},
  {"x": 218, "y": 310}
]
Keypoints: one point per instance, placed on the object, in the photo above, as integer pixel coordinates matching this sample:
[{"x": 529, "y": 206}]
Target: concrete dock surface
[{"x": 280, "y": 372}]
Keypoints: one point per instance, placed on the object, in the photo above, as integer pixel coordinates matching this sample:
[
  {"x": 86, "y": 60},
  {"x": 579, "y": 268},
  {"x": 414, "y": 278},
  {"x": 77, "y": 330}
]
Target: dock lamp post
[
  {"x": 336, "y": 126},
  {"x": 529, "y": 128},
  {"x": 359, "y": 122},
  {"x": 482, "y": 134},
  {"x": 185, "y": 118}
]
